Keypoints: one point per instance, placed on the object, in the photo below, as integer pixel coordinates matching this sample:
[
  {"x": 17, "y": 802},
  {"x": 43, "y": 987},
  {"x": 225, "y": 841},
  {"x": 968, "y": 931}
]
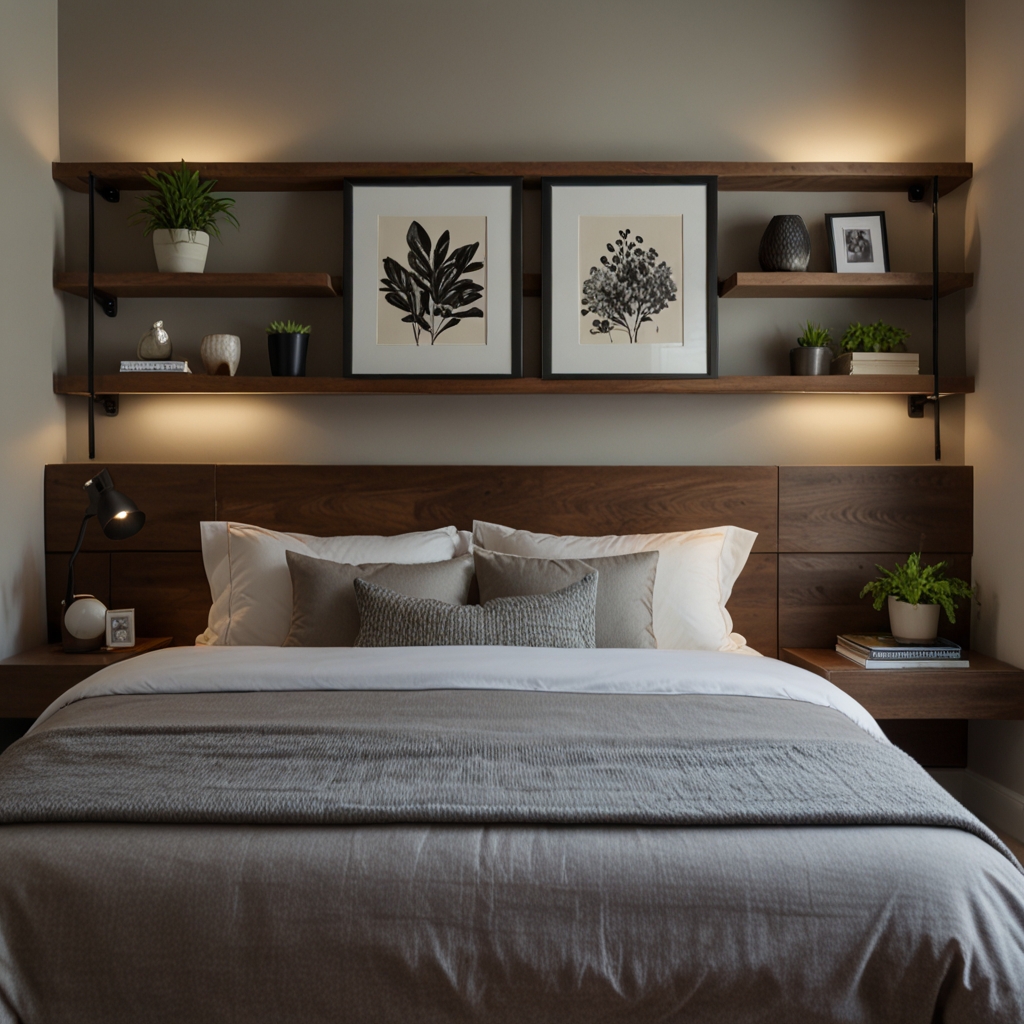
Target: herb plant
[
  {"x": 181, "y": 201},
  {"x": 879, "y": 337},
  {"x": 815, "y": 336},
  {"x": 913, "y": 583},
  {"x": 432, "y": 290},
  {"x": 288, "y": 327},
  {"x": 627, "y": 290}
]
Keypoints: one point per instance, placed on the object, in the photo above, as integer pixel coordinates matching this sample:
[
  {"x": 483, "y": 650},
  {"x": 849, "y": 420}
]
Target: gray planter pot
[{"x": 810, "y": 362}]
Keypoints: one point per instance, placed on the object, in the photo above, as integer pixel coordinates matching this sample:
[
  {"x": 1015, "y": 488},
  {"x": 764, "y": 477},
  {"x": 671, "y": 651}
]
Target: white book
[
  {"x": 897, "y": 665},
  {"x": 155, "y": 366}
]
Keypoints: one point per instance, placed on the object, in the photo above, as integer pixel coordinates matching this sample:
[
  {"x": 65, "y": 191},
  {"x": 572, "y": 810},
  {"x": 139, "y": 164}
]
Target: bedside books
[
  {"x": 155, "y": 366},
  {"x": 877, "y": 362},
  {"x": 883, "y": 651}
]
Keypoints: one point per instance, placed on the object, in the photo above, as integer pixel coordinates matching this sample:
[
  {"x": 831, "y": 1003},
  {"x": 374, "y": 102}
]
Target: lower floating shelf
[{"x": 200, "y": 384}]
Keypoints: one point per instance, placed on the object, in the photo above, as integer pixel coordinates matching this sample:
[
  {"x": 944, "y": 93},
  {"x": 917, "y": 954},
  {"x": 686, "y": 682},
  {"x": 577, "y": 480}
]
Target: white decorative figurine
[
  {"x": 221, "y": 353},
  {"x": 155, "y": 343}
]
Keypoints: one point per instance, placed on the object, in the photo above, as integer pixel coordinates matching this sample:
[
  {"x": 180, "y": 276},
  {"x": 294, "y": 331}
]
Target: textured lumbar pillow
[
  {"x": 565, "y": 618},
  {"x": 625, "y": 588}
]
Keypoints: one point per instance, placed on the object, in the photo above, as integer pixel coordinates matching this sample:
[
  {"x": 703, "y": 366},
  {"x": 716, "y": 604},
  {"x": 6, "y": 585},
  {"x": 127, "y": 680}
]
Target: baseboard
[
  {"x": 951, "y": 780},
  {"x": 995, "y": 804}
]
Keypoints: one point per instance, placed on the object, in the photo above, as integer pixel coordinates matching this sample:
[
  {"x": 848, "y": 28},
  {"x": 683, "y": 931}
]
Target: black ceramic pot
[
  {"x": 785, "y": 244},
  {"x": 810, "y": 362},
  {"x": 288, "y": 354}
]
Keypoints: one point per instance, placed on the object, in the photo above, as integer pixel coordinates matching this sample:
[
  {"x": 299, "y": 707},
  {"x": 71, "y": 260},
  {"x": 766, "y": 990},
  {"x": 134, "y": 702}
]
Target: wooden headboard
[{"x": 820, "y": 529}]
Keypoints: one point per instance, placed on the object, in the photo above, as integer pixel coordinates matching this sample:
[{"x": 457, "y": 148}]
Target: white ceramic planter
[
  {"x": 180, "y": 251},
  {"x": 913, "y": 622},
  {"x": 221, "y": 353}
]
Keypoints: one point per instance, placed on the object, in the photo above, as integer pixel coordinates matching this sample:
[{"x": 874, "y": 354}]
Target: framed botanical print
[
  {"x": 433, "y": 277},
  {"x": 857, "y": 243},
  {"x": 630, "y": 281}
]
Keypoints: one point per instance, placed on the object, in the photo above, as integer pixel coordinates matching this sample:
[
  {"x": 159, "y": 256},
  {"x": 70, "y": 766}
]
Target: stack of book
[
  {"x": 877, "y": 362},
  {"x": 155, "y": 366},
  {"x": 883, "y": 650}
]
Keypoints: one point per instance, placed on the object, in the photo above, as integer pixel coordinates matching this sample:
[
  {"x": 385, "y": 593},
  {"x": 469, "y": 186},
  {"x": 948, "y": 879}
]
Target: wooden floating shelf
[
  {"x": 839, "y": 286},
  {"x": 732, "y": 176},
  {"x": 201, "y": 384}
]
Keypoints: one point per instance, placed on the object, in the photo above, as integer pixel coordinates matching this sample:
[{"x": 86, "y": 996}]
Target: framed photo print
[
  {"x": 120, "y": 627},
  {"x": 433, "y": 277},
  {"x": 857, "y": 243},
  {"x": 630, "y": 281}
]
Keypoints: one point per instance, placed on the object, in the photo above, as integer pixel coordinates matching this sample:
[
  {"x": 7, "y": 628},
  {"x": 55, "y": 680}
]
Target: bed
[{"x": 254, "y": 833}]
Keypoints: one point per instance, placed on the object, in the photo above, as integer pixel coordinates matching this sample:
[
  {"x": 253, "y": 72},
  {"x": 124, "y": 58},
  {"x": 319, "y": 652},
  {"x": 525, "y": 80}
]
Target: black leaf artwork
[
  {"x": 432, "y": 290},
  {"x": 627, "y": 290}
]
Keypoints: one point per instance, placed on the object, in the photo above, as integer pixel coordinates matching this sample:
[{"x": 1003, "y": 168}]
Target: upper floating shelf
[
  {"x": 214, "y": 286},
  {"x": 732, "y": 176},
  {"x": 200, "y": 384},
  {"x": 839, "y": 286}
]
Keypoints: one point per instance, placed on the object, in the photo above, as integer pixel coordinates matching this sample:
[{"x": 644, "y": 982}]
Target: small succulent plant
[
  {"x": 288, "y": 327},
  {"x": 815, "y": 336}
]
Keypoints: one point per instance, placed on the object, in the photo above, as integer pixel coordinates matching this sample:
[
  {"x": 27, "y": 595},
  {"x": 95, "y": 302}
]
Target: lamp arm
[{"x": 70, "y": 595}]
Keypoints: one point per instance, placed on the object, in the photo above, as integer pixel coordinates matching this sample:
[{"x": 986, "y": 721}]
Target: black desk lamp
[{"x": 119, "y": 518}]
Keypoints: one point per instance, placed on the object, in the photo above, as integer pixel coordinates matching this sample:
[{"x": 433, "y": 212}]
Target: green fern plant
[
  {"x": 288, "y": 327},
  {"x": 917, "y": 584},
  {"x": 877, "y": 337},
  {"x": 815, "y": 336},
  {"x": 181, "y": 201}
]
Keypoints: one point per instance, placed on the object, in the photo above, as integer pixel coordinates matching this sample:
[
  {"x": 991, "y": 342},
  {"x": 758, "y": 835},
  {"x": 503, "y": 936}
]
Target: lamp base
[{"x": 76, "y": 645}]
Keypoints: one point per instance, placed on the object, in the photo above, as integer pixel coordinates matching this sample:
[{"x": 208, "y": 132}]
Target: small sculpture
[
  {"x": 221, "y": 353},
  {"x": 155, "y": 343}
]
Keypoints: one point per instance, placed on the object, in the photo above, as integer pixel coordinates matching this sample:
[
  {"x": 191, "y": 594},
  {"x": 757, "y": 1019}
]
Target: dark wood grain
[
  {"x": 166, "y": 588},
  {"x": 931, "y": 742},
  {"x": 92, "y": 576},
  {"x": 591, "y": 500},
  {"x": 732, "y": 175},
  {"x": 131, "y": 285},
  {"x": 805, "y": 285},
  {"x": 988, "y": 689},
  {"x": 753, "y": 603},
  {"x": 876, "y": 508},
  {"x": 174, "y": 497},
  {"x": 199, "y": 383},
  {"x": 819, "y": 597}
]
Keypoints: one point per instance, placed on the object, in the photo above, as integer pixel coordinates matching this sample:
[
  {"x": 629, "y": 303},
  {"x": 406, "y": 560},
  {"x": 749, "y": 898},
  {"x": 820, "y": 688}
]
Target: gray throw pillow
[
  {"x": 625, "y": 588},
  {"x": 562, "y": 619},
  {"x": 324, "y": 610}
]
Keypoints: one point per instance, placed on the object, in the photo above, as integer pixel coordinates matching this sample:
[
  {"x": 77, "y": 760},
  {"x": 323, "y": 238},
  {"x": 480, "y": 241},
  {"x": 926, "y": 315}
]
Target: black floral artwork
[
  {"x": 628, "y": 289},
  {"x": 432, "y": 290}
]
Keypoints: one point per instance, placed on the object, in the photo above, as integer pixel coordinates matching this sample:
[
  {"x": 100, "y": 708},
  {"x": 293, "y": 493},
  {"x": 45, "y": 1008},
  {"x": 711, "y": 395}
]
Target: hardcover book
[
  {"x": 885, "y": 647},
  {"x": 155, "y": 366},
  {"x": 898, "y": 663}
]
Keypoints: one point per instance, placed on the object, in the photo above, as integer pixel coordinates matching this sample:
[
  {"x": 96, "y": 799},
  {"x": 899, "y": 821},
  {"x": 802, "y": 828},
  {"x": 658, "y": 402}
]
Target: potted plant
[
  {"x": 287, "y": 342},
  {"x": 813, "y": 355},
  {"x": 882, "y": 340},
  {"x": 180, "y": 214},
  {"x": 915, "y": 594}
]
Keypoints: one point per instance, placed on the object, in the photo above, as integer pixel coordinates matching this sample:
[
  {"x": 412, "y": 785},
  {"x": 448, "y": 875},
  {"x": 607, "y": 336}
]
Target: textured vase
[
  {"x": 913, "y": 622},
  {"x": 220, "y": 354},
  {"x": 810, "y": 362},
  {"x": 785, "y": 244},
  {"x": 155, "y": 343},
  {"x": 180, "y": 251}
]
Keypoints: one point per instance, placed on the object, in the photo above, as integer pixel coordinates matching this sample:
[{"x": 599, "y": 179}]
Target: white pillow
[
  {"x": 696, "y": 573},
  {"x": 250, "y": 584}
]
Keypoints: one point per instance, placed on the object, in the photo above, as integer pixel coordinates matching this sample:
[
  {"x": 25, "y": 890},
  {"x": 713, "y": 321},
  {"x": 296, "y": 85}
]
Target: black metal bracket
[
  {"x": 916, "y": 193},
  {"x": 916, "y": 404},
  {"x": 111, "y": 403},
  {"x": 111, "y": 193},
  {"x": 106, "y": 301}
]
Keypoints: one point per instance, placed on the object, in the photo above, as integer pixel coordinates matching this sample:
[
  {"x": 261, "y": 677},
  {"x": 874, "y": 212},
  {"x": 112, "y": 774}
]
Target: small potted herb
[
  {"x": 813, "y": 355},
  {"x": 915, "y": 593},
  {"x": 287, "y": 342},
  {"x": 884, "y": 342},
  {"x": 180, "y": 214}
]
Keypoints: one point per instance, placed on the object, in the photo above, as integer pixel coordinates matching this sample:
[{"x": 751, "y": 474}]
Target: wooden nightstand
[
  {"x": 31, "y": 681},
  {"x": 988, "y": 689}
]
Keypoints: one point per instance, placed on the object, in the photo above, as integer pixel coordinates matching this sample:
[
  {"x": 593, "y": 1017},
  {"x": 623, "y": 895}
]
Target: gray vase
[
  {"x": 785, "y": 244},
  {"x": 810, "y": 362}
]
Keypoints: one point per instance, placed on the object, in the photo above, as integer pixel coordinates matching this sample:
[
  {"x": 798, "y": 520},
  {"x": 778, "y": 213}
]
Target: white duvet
[{"x": 240, "y": 669}]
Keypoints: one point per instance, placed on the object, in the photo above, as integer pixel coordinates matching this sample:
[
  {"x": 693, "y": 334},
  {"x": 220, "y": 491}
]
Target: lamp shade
[{"x": 118, "y": 515}]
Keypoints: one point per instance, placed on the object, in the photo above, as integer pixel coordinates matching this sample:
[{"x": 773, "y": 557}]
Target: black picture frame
[
  {"x": 830, "y": 221},
  {"x": 710, "y": 277},
  {"x": 515, "y": 184}
]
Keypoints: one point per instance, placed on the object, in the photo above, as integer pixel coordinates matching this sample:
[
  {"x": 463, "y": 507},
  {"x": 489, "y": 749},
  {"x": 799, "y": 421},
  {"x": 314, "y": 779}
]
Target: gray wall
[
  {"x": 402, "y": 80},
  {"x": 32, "y": 427},
  {"x": 995, "y": 416}
]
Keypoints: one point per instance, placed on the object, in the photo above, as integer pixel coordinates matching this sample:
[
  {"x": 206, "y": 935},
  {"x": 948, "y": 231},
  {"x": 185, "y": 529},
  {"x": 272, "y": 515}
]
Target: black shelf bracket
[
  {"x": 916, "y": 404},
  {"x": 110, "y": 403},
  {"x": 915, "y": 193},
  {"x": 111, "y": 193},
  {"x": 106, "y": 301}
]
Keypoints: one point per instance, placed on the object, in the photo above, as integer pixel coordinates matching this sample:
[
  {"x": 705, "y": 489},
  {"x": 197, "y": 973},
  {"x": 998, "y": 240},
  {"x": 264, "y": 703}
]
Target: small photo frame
[
  {"x": 857, "y": 243},
  {"x": 120, "y": 627},
  {"x": 433, "y": 277}
]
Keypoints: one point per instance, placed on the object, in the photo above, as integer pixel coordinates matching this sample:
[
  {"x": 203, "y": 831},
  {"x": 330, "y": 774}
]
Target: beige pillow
[
  {"x": 696, "y": 573},
  {"x": 324, "y": 609},
  {"x": 625, "y": 588}
]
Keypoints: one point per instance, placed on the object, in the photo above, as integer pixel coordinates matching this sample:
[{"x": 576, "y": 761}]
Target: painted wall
[
  {"x": 995, "y": 415},
  {"x": 32, "y": 429},
  {"x": 477, "y": 80}
]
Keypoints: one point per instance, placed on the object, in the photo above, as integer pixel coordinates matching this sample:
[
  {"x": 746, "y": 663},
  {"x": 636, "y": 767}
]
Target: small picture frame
[
  {"x": 120, "y": 627},
  {"x": 857, "y": 243}
]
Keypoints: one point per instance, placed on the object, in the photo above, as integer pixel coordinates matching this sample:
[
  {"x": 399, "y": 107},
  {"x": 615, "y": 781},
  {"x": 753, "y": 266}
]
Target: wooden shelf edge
[
  {"x": 741, "y": 176},
  {"x": 896, "y": 285},
  {"x": 197, "y": 384}
]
